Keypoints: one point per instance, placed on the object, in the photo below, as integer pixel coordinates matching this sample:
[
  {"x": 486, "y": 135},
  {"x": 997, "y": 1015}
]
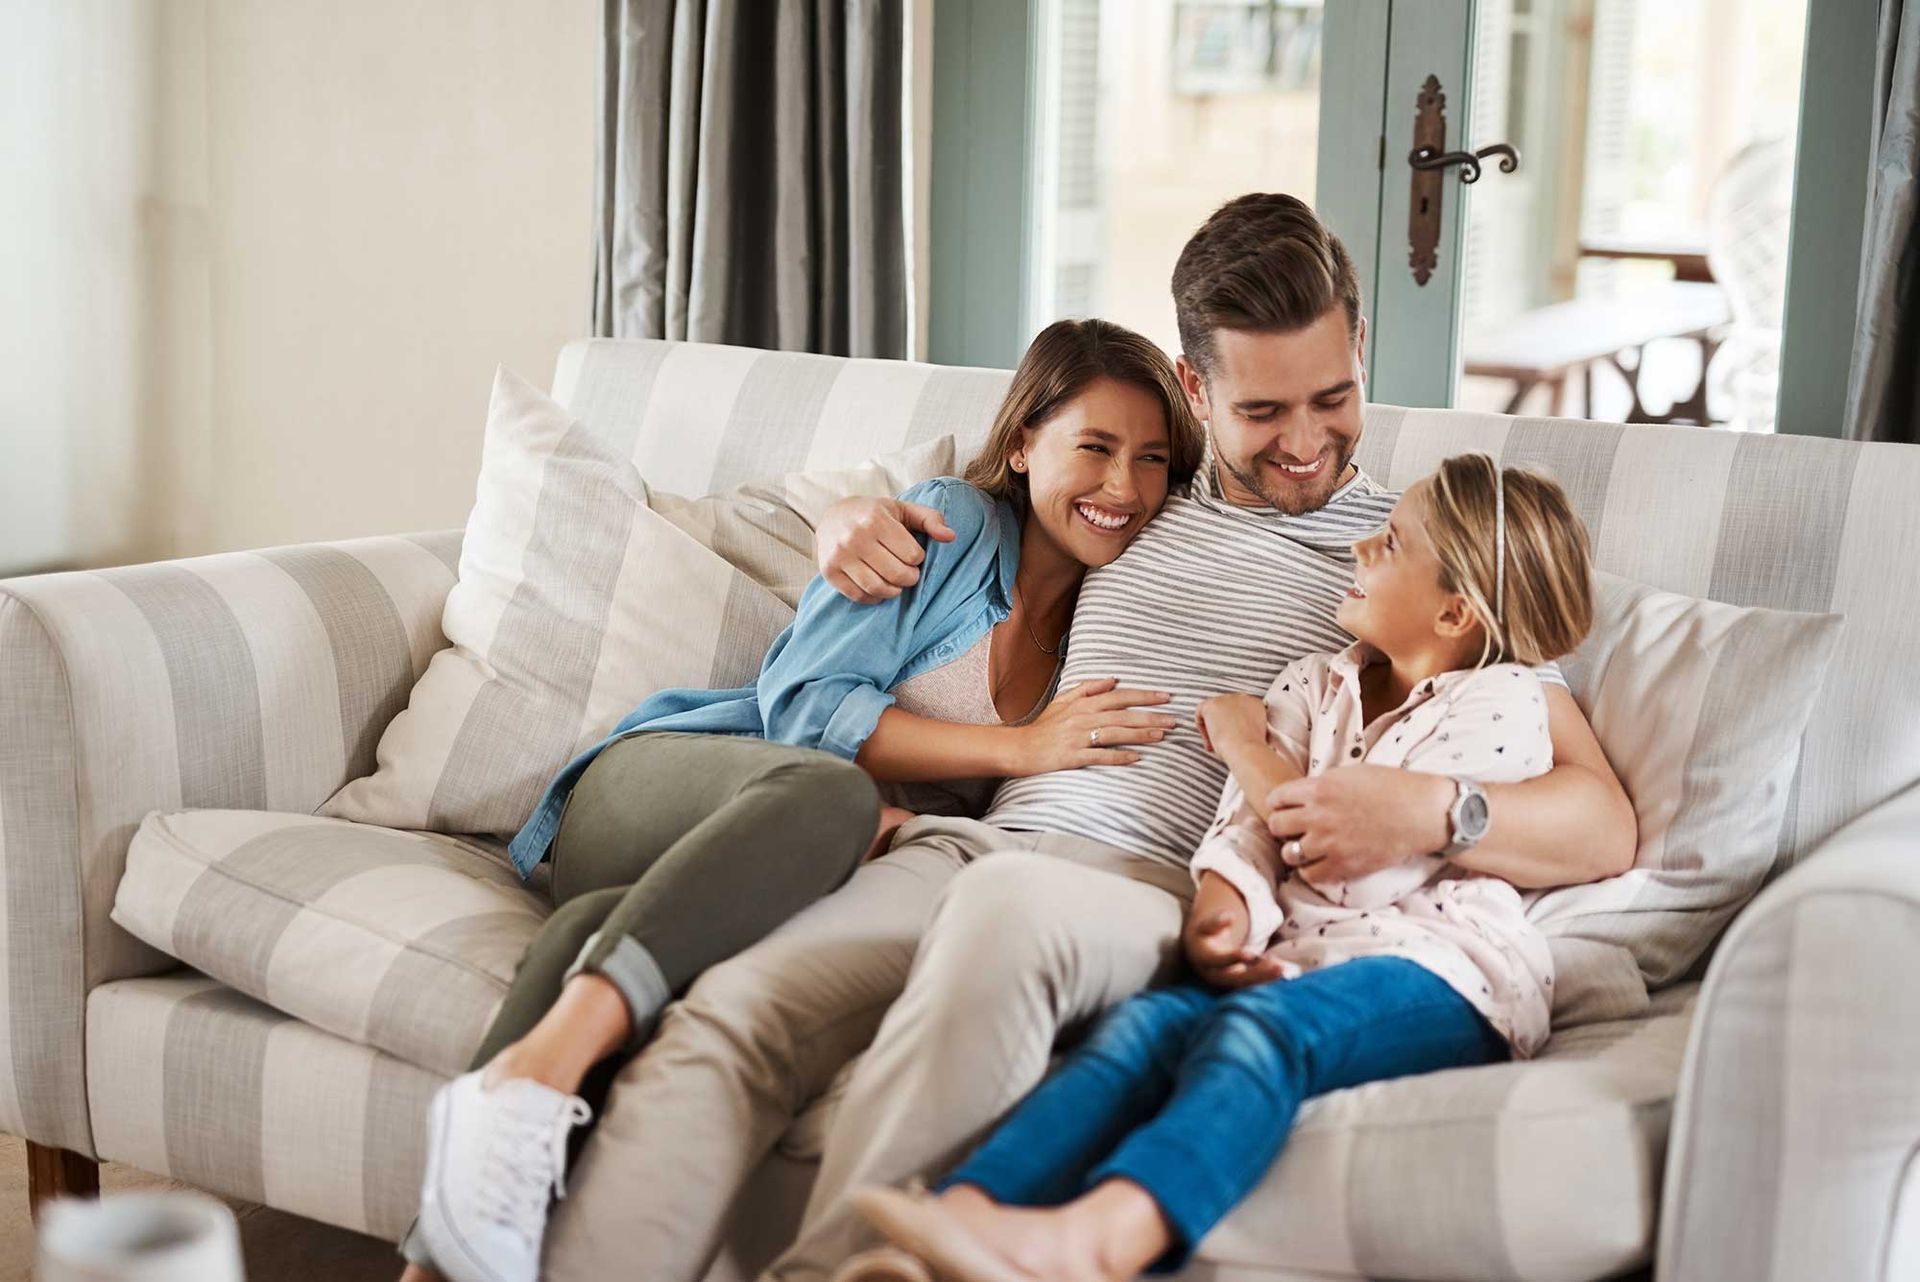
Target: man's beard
[{"x": 1297, "y": 502}]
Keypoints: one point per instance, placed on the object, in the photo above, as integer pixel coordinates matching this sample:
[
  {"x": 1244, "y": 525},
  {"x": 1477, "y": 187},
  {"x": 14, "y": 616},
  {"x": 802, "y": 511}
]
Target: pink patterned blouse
[{"x": 1487, "y": 724}]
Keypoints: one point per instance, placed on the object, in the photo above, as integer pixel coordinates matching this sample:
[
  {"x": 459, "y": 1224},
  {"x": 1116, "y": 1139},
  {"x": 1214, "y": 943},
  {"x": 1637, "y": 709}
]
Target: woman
[{"x": 709, "y": 817}]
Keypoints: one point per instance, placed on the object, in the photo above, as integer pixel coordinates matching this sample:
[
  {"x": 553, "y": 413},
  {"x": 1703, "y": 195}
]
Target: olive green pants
[{"x": 675, "y": 852}]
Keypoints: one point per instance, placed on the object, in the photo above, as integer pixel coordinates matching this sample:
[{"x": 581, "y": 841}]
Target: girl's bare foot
[{"x": 1109, "y": 1235}]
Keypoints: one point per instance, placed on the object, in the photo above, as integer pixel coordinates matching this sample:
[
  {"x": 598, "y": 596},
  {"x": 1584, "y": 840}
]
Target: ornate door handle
[{"x": 1429, "y": 160}]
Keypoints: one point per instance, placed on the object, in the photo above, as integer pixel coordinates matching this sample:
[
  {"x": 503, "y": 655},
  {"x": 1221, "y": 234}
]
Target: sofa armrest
[
  {"x": 1798, "y": 1116},
  {"x": 258, "y": 680}
]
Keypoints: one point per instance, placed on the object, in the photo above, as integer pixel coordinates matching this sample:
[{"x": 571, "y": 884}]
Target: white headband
[{"x": 1499, "y": 545}]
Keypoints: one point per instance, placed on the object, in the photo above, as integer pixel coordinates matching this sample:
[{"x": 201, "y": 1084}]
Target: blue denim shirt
[{"x": 826, "y": 679}]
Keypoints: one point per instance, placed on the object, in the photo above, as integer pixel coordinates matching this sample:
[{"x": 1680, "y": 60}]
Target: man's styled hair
[{"x": 1263, "y": 262}]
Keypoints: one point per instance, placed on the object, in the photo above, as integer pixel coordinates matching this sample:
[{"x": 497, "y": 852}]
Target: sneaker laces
[{"x": 525, "y": 1165}]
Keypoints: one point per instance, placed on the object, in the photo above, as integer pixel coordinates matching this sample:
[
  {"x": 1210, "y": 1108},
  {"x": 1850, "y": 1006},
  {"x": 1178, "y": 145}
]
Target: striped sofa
[{"x": 1760, "y": 1123}]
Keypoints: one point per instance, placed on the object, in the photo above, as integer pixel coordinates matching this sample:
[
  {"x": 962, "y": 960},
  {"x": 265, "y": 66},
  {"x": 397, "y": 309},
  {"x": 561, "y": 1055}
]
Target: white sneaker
[{"x": 495, "y": 1158}]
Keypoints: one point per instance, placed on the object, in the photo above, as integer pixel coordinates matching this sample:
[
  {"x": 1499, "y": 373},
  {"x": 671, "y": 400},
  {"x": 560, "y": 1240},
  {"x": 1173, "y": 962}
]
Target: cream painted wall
[{"x": 266, "y": 256}]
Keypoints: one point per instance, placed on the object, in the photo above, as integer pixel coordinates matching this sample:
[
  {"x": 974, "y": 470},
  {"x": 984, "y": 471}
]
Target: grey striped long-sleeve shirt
[{"x": 1210, "y": 598}]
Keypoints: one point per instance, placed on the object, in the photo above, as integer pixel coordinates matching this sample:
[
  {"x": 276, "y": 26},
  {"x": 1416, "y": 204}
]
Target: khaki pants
[{"x": 953, "y": 963}]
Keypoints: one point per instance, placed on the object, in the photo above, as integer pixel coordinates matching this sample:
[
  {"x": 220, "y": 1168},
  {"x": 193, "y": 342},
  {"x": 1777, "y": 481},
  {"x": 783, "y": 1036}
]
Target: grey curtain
[
  {"x": 1883, "y": 392},
  {"x": 751, "y": 178}
]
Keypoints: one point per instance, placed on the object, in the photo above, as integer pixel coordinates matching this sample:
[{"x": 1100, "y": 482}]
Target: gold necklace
[{"x": 1032, "y": 635}]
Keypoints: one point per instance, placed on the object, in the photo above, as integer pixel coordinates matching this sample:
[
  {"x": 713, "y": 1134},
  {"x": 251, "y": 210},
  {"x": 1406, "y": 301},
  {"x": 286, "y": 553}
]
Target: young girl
[
  {"x": 710, "y": 817},
  {"x": 1180, "y": 1099}
]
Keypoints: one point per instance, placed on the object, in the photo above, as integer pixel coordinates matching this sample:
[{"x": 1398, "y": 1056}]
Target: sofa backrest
[
  {"x": 703, "y": 418},
  {"x": 1789, "y": 522}
]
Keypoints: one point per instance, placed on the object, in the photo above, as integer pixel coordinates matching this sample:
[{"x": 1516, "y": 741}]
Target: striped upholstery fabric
[
  {"x": 252, "y": 679},
  {"x": 1787, "y": 522},
  {"x": 192, "y": 1080},
  {"x": 581, "y": 593},
  {"x": 1798, "y": 1093},
  {"x": 1792, "y": 523},
  {"x": 1670, "y": 684},
  {"x": 1462, "y": 1174},
  {"x": 1471, "y": 1173},
  {"x": 402, "y": 941},
  {"x": 263, "y": 681},
  {"x": 700, "y": 419},
  {"x": 575, "y": 600},
  {"x": 765, "y": 528}
]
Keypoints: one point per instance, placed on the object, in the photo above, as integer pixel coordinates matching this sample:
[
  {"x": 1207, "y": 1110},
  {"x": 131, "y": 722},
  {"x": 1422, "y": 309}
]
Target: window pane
[
  {"x": 1647, "y": 226},
  {"x": 1158, "y": 112}
]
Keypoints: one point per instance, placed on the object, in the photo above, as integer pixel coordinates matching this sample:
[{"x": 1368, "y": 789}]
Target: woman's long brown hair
[{"x": 1062, "y": 361}]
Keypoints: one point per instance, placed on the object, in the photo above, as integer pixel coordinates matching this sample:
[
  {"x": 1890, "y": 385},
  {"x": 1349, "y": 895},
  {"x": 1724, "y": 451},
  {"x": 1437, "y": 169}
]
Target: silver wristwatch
[{"x": 1467, "y": 818}]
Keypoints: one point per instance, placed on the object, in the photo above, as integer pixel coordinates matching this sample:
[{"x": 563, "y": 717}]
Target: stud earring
[{"x": 1019, "y": 465}]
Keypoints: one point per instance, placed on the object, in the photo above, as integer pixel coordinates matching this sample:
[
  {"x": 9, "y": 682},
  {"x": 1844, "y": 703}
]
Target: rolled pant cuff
[{"x": 630, "y": 968}]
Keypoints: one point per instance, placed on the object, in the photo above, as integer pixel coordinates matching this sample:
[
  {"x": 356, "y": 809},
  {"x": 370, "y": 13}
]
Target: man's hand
[
  {"x": 1354, "y": 820},
  {"x": 1215, "y": 938},
  {"x": 1227, "y": 719},
  {"x": 866, "y": 550}
]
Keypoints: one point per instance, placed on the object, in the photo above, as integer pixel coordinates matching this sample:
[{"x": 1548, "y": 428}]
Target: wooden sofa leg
[{"x": 58, "y": 1172}]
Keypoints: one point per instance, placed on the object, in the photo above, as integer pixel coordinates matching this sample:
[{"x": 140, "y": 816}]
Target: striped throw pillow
[
  {"x": 581, "y": 592},
  {"x": 1700, "y": 707}
]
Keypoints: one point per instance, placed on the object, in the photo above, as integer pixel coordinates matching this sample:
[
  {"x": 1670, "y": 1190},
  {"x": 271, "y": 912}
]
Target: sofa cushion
[
  {"x": 1548, "y": 1169},
  {"x": 1700, "y": 707},
  {"x": 189, "y": 1079},
  {"x": 1541, "y": 1170},
  {"x": 575, "y": 600},
  {"x": 401, "y": 941},
  {"x": 581, "y": 591}
]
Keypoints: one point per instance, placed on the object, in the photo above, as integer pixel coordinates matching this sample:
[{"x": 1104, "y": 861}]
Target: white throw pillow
[
  {"x": 580, "y": 593},
  {"x": 1700, "y": 707}
]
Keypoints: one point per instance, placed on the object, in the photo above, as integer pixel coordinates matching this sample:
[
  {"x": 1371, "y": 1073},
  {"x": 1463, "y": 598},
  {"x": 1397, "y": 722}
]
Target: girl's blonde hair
[
  {"x": 1063, "y": 359},
  {"x": 1547, "y": 607}
]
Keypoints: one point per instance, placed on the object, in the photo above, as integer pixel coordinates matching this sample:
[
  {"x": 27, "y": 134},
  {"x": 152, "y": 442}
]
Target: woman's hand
[
  {"x": 1215, "y": 938},
  {"x": 1227, "y": 719},
  {"x": 1091, "y": 725}
]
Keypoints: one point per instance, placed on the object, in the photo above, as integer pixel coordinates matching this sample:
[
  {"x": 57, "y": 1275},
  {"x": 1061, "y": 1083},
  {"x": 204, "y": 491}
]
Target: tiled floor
[{"x": 278, "y": 1247}]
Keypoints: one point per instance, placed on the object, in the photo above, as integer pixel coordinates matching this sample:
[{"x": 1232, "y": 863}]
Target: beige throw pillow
[
  {"x": 1700, "y": 707},
  {"x": 580, "y": 593}
]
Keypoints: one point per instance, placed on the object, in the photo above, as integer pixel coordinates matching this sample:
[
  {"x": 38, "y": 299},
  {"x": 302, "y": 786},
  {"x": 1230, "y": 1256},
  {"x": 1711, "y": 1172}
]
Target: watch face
[{"x": 1473, "y": 816}]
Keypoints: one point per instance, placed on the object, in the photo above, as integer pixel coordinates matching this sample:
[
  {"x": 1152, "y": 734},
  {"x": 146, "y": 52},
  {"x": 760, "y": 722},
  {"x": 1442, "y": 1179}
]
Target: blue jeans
[{"x": 1189, "y": 1092}]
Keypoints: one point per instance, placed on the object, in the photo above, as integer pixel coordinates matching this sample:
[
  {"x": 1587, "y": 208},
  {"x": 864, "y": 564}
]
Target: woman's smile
[{"x": 1105, "y": 520}]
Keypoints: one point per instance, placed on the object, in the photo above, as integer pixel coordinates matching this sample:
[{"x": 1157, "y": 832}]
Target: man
[{"x": 963, "y": 953}]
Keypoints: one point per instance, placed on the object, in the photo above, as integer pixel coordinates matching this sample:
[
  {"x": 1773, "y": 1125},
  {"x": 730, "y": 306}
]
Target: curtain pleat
[
  {"x": 1883, "y": 391},
  {"x": 751, "y": 183}
]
